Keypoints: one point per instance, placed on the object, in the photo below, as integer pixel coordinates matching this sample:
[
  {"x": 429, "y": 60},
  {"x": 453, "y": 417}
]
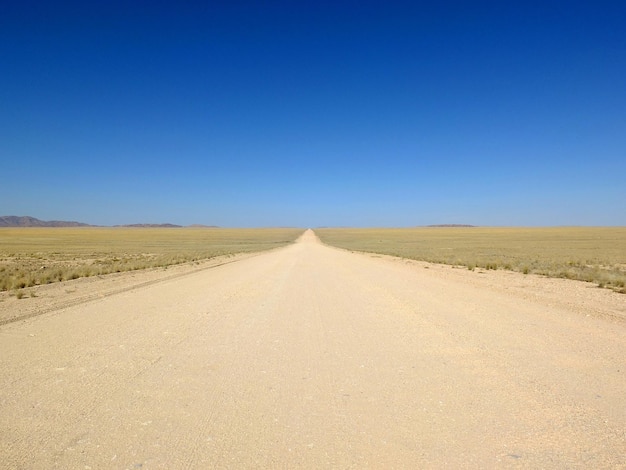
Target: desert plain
[{"x": 306, "y": 355}]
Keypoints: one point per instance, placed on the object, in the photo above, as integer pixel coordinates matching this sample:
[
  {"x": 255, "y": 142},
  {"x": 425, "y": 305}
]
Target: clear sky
[{"x": 313, "y": 113}]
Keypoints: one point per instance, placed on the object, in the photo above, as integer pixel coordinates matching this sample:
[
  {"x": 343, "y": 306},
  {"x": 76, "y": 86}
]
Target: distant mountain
[
  {"x": 150, "y": 225},
  {"x": 202, "y": 226},
  {"x": 451, "y": 225},
  {"x": 26, "y": 221}
]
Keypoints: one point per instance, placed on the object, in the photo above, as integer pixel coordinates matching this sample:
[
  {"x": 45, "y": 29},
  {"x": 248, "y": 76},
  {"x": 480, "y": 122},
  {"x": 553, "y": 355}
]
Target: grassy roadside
[
  {"x": 593, "y": 254},
  {"x": 33, "y": 256}
]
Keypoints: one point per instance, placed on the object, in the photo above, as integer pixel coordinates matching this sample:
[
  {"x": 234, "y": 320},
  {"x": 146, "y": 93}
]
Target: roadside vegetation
[
  {"x": 592, "y": 254},
  {"x": 34, "y": 256}
]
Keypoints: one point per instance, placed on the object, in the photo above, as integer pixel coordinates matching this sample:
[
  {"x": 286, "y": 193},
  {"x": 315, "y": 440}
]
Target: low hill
[
  {"x": 451, "y": 225},
  {"x": 26, "y": 221},
  {"x": 150, "y": 225}
]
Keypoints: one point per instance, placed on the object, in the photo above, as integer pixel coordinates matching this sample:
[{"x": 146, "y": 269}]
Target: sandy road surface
[{"x": 314, "y": 357}]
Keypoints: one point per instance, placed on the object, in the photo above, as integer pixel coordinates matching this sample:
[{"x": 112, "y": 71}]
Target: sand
[{"x": 313, "y": 357}]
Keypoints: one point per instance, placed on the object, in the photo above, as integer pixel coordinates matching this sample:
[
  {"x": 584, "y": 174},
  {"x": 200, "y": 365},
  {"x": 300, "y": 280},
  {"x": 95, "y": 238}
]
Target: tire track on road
[{"x": 64, "y": 304}]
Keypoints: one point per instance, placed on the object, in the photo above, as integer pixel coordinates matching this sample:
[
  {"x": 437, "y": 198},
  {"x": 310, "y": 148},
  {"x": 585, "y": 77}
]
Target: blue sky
[{"x": 314, "y": 113}]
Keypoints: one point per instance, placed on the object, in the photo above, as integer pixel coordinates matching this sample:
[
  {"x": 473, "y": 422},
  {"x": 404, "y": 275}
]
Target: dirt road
[{"x": 314, "y": 357}]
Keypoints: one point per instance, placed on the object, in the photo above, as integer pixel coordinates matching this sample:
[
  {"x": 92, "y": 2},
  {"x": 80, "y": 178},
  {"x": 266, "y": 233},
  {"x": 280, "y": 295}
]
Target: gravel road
[{"x": 314, "y": 357}]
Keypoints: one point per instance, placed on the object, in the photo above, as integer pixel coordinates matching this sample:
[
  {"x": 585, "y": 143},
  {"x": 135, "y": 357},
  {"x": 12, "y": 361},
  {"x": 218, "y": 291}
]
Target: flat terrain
[
  {"x": 592, "y": 254},
  {"x": 33, "y": 256},
  {"x": 309, "y": 356}
]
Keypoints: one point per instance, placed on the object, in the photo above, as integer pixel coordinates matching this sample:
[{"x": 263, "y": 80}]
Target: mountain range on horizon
[{"x": 28, "y": 221}]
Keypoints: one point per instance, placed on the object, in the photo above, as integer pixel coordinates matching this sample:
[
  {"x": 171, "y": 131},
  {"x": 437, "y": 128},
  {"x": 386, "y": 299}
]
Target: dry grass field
[
  {"x": 32, "y": 256},
  {"x": 593, "y": 254}
]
